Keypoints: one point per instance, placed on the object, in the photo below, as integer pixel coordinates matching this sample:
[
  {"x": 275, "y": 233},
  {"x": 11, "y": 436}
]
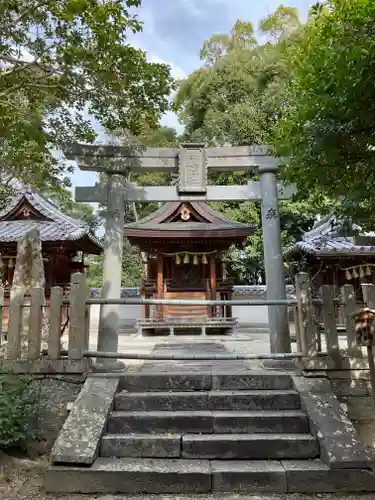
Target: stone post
[
  {"x": 28, "y": 273},
  {"x": 273, "y": 260},
  {"x": 112, "y": 267}
]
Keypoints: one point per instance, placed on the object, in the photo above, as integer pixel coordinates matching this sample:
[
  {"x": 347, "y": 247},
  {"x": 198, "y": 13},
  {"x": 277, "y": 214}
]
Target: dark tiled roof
[
  {"x": 56, "y": 226},
  {"x": 211, "y": 220},
  {"x": 325, "y": 239}
]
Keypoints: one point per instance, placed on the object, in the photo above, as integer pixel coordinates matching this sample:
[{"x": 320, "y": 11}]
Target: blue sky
[{"x": 174, "y": 31}]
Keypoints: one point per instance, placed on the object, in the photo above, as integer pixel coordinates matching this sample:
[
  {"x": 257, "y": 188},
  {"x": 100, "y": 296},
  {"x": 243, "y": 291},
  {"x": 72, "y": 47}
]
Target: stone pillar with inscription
[
  {"x": 192, "y": 169},
  {"x": 273, "y": 260},
  {"x": 112, "y": 270}
]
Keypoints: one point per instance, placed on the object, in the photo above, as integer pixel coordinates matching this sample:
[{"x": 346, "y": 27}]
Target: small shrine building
[
  {"x": 65, "y": 240},
  {"x": 185, "y": 244},
  {"x": 335, "y": 253}
]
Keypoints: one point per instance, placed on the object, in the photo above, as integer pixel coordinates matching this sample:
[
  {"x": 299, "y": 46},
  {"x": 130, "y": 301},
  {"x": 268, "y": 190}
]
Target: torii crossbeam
[{"x": 192, "y": 162}]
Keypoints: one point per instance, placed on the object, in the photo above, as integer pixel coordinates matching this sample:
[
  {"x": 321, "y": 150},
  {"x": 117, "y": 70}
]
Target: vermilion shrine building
[{"x": 185, "y": 244}]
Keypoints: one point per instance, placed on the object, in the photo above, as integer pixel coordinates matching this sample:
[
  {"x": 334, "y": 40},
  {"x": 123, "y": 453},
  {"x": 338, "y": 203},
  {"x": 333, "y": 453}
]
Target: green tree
[
  {"x": 64, "y": 200},
  {"x": 61, "y": 62},
  {"x": 328, "y": 127},
  {"x": 133, "y": 267},
  {"x": 237, "y": 98}
]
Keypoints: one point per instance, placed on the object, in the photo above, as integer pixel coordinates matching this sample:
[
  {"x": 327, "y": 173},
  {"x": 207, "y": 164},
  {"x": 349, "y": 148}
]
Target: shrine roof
[
  {"x": 186, "y": 219},
  {"x": 330, "y": 238},
  {"x": 28, "y": 209}
]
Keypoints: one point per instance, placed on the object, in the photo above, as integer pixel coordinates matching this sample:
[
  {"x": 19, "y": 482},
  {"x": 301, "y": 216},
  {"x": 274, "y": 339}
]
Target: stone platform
[{"x": 199, "y": 427}]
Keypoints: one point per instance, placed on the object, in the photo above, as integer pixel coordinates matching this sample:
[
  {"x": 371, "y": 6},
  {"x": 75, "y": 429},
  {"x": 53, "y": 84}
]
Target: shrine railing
[
  {"x": 150, "y": 285},
  {"x": 31, "y": 336}
]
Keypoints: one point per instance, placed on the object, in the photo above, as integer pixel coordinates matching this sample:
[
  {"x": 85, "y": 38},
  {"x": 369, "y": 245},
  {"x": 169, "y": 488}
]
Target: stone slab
[
  {"x": 260, "y": 422},
  {"x": 110, "y": 475},
  {"x": 160, "y": 421},
  {"x": 249, "y": 446},
  {"x": 359, "y": 408},
  {"x": 141, "y": 445},
  {"x": 328, "y": 364},
  {"x": 259, "y": 476},
  {"x": 166, "y": 382},
  {"x": 79, "y": 439},
  {"x": 167, "y": 401},
  {"x": 253, "y": 400},
  {"x": 349, "y": 374},
  {"x": 340, "y": 446},
  {"x": 314, "y": 476},
  {"x": 251, "y": 381},
  {"x": 45, "y": 366},
  {"x": 351, "y": 388}
]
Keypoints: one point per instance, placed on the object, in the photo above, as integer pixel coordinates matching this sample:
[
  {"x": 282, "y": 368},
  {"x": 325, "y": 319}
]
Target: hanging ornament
[
  {"x": 10, "y": 263},
  {"x": 178, "y": 259},
  {"x": 355, "y": 274},
  {"x": 186, "y": 259},
  {"x": 185, "y": 214},
  {"x": 368, "y": 271},
  {"x": 361, "y": 272},
  {"x": 204, "y": 259},
  {"x": 348, "y": 276},
  {"x": 195, "y": 260}
]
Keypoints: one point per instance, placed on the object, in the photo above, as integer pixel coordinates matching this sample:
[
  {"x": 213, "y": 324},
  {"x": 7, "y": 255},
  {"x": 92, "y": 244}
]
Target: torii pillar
[
  {"x": 111, "y": 289},
  {"x": 273, "y": 260}
]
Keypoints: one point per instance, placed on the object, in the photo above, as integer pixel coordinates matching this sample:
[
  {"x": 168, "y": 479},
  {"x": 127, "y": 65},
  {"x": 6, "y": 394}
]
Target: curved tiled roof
[
  {"x": 54, "y": 226},
  {"x": 210, "y": 221},
  {"x": 325, "y": 238}
]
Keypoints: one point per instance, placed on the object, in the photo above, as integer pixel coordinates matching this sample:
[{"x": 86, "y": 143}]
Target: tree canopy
[
  {"x": 328, "y": 125},
  {"x": 61, "y": 62},
  {"x": 237, "y": 98}
]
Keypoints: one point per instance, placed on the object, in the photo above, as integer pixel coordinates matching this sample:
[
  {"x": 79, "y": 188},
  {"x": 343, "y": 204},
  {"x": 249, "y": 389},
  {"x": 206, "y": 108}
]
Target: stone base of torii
[{"x": 192, "y": 162}]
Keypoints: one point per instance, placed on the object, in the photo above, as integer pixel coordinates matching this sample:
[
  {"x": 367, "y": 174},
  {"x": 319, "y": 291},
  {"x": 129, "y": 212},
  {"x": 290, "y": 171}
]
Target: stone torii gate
[{"x": 192, "y": 162}]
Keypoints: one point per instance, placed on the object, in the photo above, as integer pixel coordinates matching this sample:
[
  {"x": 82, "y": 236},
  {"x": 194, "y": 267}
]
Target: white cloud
[
  {"x": 170, "y": 119},
  {"x": 177, "y": 72}
]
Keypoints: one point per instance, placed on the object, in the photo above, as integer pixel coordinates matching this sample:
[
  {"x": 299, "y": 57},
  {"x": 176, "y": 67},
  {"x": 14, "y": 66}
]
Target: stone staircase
[
  {"x": 256, "y": 417},
  {"x": 197, "y": 432}
]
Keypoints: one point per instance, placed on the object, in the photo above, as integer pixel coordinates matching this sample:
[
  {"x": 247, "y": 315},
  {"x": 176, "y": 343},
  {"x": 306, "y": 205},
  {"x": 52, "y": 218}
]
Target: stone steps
[
  {"x": 132, "y": 475},
  {"x": 123, "y": 422},
  {"x": 249, "y": 446},
  {"x": 197, "y": 431},
  {"x": 210, "y": 446},
  {"x": 208, "y": 400},
  {"x": 204, "y": 380}
]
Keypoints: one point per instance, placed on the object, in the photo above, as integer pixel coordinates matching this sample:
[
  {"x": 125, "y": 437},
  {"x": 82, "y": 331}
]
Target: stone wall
[
  {"x": 54, "y": 393},
  {"x": 55, "y": 384},
  {"x": 353, "y": 389}
]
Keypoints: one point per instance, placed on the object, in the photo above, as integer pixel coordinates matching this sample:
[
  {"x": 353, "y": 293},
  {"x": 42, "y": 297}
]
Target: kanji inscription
[
  {"x": 271, "y": 214},
  {"x": 193, "y": 172}
]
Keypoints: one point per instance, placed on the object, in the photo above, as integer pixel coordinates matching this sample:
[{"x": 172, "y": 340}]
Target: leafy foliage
[
  {"x": 64, "y": 200},
  {"x": 235, "y": 98},
  {"x": 328, "y": 125},
  {"x": 17, "y": 410},
  {"x": 59, "y": 62}
]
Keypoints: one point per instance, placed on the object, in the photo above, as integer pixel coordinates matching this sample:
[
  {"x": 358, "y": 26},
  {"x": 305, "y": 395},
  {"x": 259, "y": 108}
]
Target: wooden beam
[{"x": 132, "y": 192}]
